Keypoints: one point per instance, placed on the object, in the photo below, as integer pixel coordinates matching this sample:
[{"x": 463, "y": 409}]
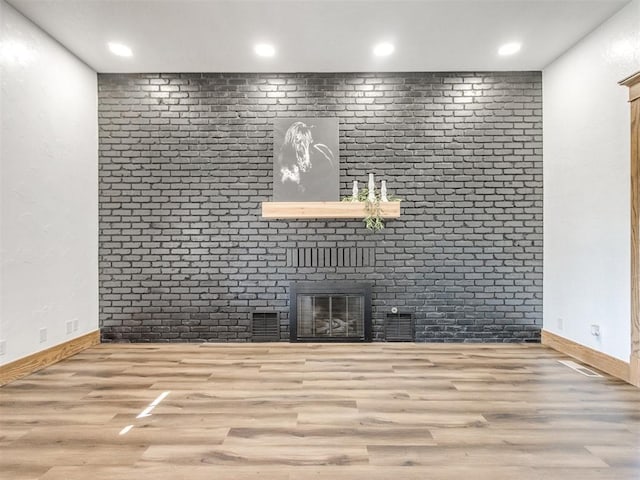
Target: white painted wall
[
  {"x": 48, "y": 189},
  {"x": 586, "y": 186}
]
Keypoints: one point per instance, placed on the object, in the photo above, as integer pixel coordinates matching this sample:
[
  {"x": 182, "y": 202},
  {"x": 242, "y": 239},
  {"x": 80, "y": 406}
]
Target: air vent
[
  {"x": 399, "y": 327},
  {"x": 265, "y": 327},
  {"x": 331, "y": 257},
  {"x": 579, "y": 368}
]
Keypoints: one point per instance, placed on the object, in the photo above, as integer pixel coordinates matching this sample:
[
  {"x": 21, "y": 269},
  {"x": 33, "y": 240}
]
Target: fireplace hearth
[{"x": 330, "y": 312}]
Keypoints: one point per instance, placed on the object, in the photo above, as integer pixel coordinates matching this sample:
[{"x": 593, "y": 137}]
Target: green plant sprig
[{"x": 373, "y": 221}]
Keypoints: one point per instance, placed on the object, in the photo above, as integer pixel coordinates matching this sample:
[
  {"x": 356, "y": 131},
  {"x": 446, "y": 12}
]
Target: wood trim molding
[
  {"x": 37, "y": 361},
  {"x": 633, "y": 82},
  {"x": 635, "y": 241},
  {"x": 606, "y": 363},
  {"x": 634, "y": 371}
]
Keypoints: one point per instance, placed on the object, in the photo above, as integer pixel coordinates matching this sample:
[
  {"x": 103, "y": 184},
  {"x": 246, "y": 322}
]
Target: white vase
[
  {"x": 372, "y": 189},
  {"x": 383, "y": 191},
  {"x": 354, "y": 191}
]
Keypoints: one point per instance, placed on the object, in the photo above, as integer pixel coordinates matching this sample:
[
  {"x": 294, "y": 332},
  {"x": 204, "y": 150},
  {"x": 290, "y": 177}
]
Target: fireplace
[{"x": 330, "y": 312}]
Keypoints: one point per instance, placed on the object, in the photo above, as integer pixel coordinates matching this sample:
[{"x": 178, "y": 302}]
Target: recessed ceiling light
[
  {"x": 383, "y": 49},
  {"x": 119, "y": 49},
  {"x": 264, "y": 50},
  {"x": 509, "y": 48}
]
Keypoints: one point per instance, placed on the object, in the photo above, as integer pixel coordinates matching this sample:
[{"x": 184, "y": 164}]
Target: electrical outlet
[
  {"x": 560, "y": 323},
  {"x": 76, "y": 325},
  {"x": 69, "y": 327},
  {"x": 595, "y": 330},
  {"x": 43, "y": 334},
  {"x": 3, "y": 347}
]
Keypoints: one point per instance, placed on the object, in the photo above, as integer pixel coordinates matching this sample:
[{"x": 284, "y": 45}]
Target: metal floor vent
[
  {"x": 265, "y": 327},
  {"x": 331, "y": 257},
  {"x": 579, "y": 368},
  {"x": 398, "y": 327}
]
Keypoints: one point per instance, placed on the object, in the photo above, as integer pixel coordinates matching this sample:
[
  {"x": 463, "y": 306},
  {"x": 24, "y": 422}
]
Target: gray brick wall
[{"x": 186, "y": 159}]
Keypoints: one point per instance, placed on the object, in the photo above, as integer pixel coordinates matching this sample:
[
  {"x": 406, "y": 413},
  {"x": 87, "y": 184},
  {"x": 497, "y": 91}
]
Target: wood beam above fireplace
[{"x": 325, "y": 209}]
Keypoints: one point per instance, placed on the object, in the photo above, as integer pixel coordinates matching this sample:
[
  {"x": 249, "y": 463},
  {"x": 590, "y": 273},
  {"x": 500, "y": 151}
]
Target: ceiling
[{"x": 317, "y": 35}]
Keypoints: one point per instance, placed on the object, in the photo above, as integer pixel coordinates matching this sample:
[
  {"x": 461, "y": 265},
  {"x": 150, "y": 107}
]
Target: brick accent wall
[{"x": 186, "y": 160}]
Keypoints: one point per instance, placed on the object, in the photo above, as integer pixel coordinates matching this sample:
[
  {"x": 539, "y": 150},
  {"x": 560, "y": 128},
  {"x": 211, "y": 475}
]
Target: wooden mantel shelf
[{"x": 325, "y": 209}]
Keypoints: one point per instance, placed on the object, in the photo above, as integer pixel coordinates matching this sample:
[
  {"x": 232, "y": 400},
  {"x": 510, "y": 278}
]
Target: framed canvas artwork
[{"x": 306, "y": 164}]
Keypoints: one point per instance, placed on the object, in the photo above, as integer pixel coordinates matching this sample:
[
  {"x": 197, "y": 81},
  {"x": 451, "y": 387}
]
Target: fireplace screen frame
[{"x": 329, "y": 289}]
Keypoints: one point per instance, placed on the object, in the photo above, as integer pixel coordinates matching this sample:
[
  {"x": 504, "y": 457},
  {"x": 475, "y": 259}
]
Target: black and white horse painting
[{"x": 306, "y": 164}]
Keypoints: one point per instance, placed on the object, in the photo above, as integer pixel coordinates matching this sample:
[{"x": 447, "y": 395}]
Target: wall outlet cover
[
  {"x": 76, "y": 325},
  {"x": 595, "y": 330},
  {"x": 43, "y": 334}
]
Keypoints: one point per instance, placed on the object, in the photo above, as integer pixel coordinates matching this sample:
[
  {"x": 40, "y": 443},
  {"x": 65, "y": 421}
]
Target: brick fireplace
[{"x": 187, "y": 159}]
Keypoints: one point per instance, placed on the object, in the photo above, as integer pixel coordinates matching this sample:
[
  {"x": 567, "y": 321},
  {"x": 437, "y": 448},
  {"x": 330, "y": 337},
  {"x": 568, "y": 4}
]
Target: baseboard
[
  {"x": 606, "y": 363},
  {"x": 37, "y": 361}
]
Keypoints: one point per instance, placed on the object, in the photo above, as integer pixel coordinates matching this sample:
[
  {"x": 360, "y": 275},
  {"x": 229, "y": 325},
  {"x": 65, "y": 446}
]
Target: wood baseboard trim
[
  {"x": 37, "y": 361},
  {"x": 606, "y": 363}
]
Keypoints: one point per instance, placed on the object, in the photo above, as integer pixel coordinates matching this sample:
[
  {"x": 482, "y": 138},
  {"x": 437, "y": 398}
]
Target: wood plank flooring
[{"x": 317, "y": 411}]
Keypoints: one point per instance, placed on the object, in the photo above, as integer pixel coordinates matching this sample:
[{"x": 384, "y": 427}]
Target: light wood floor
[{"x": 308, "y": 411}]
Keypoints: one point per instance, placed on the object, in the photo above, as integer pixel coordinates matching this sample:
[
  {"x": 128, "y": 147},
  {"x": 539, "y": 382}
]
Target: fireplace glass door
[
  {"x": 331, "y": 316},
  {"x": 329, "y": 311}
]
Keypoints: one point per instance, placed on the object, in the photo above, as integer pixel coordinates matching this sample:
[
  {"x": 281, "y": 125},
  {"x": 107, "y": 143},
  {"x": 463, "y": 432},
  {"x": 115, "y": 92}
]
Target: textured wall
[
  {"x": 48, "y": 191},
  {"x": 587, "y": 197},
  {"x": 185, "y": 161}
]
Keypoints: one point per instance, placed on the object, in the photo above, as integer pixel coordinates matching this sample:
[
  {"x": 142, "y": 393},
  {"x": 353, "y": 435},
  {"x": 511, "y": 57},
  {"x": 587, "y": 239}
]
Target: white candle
[
  {"x": 372, "y": 189},
  {"x": 383, "y": 191}
]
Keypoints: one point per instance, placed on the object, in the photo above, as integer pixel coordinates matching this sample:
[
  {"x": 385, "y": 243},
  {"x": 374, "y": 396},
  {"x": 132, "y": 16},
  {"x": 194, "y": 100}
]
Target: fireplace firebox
[{"x": 330, "y": 312}]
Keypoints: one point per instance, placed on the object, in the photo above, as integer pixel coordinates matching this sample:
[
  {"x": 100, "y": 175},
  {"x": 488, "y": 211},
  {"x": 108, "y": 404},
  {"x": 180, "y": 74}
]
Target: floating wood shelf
[{"x": 325, "y": 209}]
